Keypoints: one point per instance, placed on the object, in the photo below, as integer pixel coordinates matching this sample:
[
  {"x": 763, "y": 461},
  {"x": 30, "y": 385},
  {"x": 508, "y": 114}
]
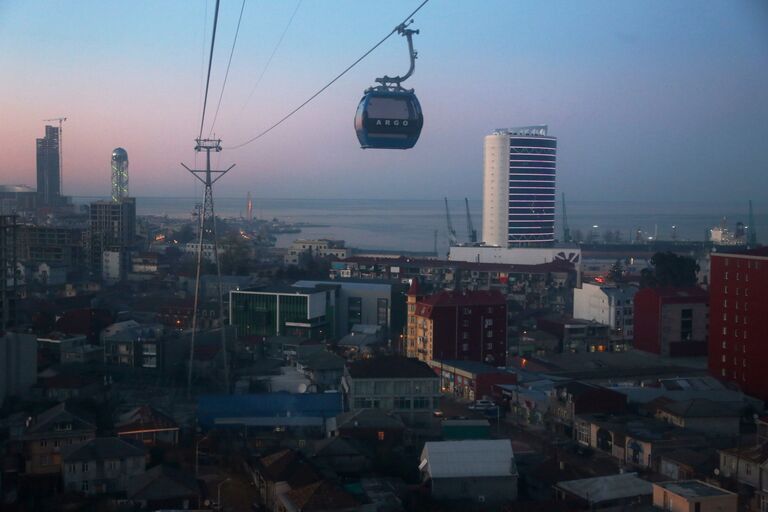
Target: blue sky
[{"x": 650, "y": 100}]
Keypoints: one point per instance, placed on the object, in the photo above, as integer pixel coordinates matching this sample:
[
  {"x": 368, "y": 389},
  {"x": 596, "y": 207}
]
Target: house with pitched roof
[
  {"x": 47, "y": 434},
  {"x": 482, "y": 471},
  {"x": 147, "y": 425},
  {"x": 102, "y": 465}
]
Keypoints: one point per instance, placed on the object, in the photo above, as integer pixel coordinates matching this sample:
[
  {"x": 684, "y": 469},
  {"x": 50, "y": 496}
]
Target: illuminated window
[{"x": 380, "y": 435}]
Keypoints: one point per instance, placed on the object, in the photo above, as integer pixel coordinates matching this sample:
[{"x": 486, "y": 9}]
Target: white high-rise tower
[{"x": 519, "y": 187}]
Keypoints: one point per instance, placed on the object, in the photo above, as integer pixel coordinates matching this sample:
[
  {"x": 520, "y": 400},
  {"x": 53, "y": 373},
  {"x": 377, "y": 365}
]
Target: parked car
[{"x": 482, "y": 405}]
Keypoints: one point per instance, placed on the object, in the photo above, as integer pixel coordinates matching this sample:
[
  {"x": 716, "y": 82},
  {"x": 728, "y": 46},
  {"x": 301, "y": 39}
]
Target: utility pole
[{"x": 207, "y": 233}]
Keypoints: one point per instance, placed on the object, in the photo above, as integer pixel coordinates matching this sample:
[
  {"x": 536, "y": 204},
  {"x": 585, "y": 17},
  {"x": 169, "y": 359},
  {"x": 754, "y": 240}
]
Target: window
[
  {"x": 382, "y": 388},
  {"x": 402, "y": 402},
  {"x": 465, "y": 347},
  {"x": 489, "y": 334},
  {"x": 84, "y": 486},
  {"x": 112, "y": 465},
  {"x": 84, "y": 468},
  {"x": 382, "y": 311},
  {"x": 43, "y": 443},
  {"x": 489, "y": 346},
  {"x": 380, "y": 435},
  {"x": 421, "y": 402},
  {"x": 71, "y": 468}
]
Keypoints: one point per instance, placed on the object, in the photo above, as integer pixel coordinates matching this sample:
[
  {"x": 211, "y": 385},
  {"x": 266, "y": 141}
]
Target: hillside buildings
[
  {"x": 466, "y": 325},
  {"x": 112, "y": 234},
  {"x": 672, "y": 322},
  {"x": 609, "y": 305},
  {"x": 738, "y": 330}
]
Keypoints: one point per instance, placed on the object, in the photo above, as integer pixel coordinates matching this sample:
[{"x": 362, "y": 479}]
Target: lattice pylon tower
[{"x": 207, "y": 237}]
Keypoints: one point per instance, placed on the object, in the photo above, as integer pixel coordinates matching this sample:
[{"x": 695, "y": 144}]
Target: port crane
[
  {"x": 470, "y": 227},
  {"x": 452, "y": 238}
]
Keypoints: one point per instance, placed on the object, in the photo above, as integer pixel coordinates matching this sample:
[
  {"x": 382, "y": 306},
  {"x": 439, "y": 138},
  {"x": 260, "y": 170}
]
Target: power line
[
  {"x": 210, "y": 62},
  {"x": 326, "y": 86},
  {"x": 274, "y": 51},
  {"x": 229, "y": 63}
]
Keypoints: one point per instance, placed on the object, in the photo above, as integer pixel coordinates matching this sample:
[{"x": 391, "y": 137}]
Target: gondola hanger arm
[{"x": 395, "y": 81}]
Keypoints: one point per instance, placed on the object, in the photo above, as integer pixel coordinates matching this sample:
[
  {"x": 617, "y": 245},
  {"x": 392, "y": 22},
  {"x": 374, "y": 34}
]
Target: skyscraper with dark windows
[
  {"x": 48, "y": 168},
  {"x": 519, "y": 187}
]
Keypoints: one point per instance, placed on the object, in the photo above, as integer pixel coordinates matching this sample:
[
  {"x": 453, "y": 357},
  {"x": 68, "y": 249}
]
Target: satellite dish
[{"x": 302, "y": 388}]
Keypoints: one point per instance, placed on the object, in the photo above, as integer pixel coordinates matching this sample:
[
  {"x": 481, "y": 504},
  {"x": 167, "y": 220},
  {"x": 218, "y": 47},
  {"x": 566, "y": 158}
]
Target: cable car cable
[
  {"x": 210, "y": 61},
  {"x": 326, "y": 86},
  {"x": 229, "y": 63},
  {"x": 272, "y": 55}
]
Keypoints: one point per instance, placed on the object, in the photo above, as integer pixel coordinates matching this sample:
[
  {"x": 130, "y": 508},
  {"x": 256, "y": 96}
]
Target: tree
[
  {"x": 669, "y": 269},
  {"x": 616, "y": 273},
  {"x": 235, "y": 255}
]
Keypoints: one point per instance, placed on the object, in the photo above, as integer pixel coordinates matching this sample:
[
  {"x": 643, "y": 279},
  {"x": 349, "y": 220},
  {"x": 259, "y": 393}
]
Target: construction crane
[
  {"x": 470, "y": 228},
  {"x": 566, "y": 229},
  {"x": 61, "y": 153},
  {"x": 452, "y": 238}
]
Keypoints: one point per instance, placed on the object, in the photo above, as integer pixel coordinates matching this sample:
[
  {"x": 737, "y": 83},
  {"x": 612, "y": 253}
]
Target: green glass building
[{"x": 284, "y": 311}]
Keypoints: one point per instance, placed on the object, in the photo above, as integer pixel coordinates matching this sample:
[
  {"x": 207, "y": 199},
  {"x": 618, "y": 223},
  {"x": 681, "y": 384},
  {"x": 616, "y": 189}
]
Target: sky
[{"x": 650, "y": 100}]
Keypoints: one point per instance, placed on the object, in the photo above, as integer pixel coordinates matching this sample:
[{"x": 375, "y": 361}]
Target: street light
[
  {"x": 197, "y": 453},
  {"x": 218, "y": 493}
]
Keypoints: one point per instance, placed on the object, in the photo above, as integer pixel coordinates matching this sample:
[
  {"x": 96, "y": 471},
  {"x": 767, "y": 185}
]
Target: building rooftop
[
  {"x": 639, "y": 427},
  {"x": 475, "y": 367},
  {"x": 701, "y": 408},
  {"x": 607, "y": 488},
  {"x": 468, "y": 459},
  {"x": 390, "y": 367},
  {"x": 369, "y": 418},
  {"x": 693, "y": 489},
  {"x": 275, "y": 408},
  {"x": 405, "y": 262},
  {"x": 691, "y": 293},
  {"x": 101, "y": 448},
  {"x": 464, "y": 298},
  {"x": 162, "y": 483},
  {"x": 322, "y": 360},
  {"x": 322, "y": 496}
]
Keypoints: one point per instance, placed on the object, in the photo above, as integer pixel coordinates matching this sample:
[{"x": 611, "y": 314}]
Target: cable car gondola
[{"x": 389, "y": 116}]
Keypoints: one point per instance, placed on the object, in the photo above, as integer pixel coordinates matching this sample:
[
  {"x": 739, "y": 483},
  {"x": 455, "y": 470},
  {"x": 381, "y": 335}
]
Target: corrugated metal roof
[
  {"x": 267, "y": 405},
  {"x": 476, "y": 458}
]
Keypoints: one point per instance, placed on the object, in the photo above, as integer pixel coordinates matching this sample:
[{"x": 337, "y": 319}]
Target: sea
[{"x": 410, "y": 224}]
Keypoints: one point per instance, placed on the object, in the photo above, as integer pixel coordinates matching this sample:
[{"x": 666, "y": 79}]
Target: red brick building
[
  {"x": 671, "y": 322},
  {"x": 738, "y": 325},
  {"x": 460, "y": 325}
]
